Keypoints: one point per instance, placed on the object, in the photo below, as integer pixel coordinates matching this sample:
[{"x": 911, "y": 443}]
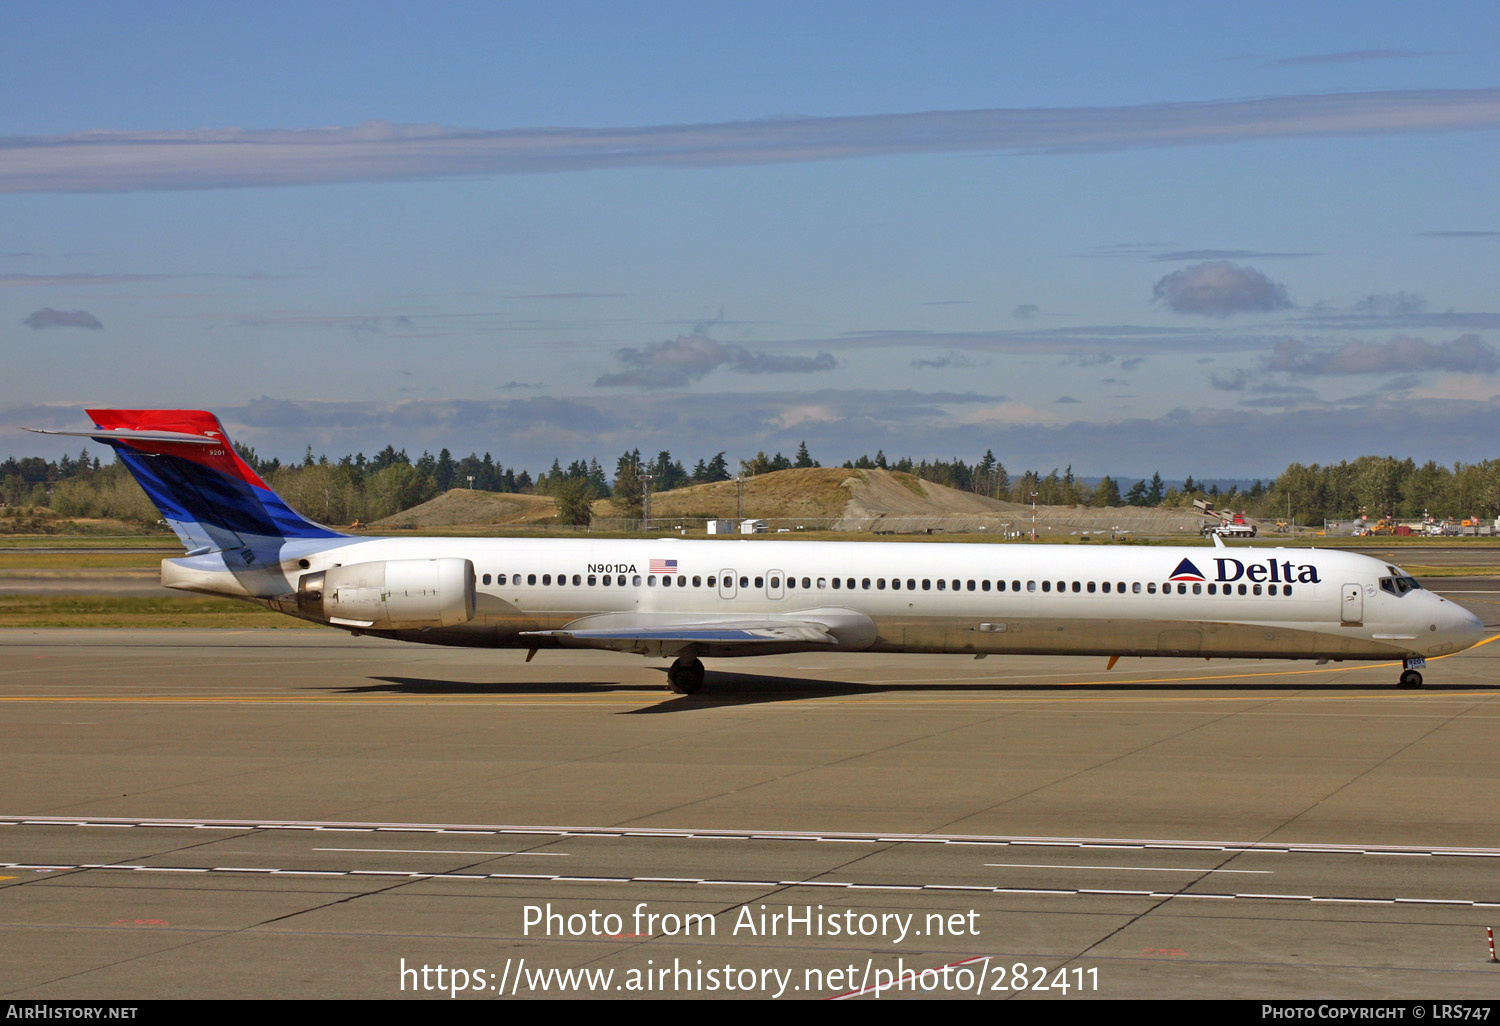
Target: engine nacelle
[{"x": 393, "y": 594}]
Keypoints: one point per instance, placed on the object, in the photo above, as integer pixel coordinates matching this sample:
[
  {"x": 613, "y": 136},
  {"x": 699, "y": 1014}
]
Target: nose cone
[{"x": 1456, "y": 626}]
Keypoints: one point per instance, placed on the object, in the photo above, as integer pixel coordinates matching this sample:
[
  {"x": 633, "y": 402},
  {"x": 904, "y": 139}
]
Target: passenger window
[
  {"x": 1046, "y": 585},
  {"x": 806, "y": 582},
  {"x": 1091, "y": 587},
  {"x": 499, "y": 578},
  {"x": 926, "y": 584},
  {"x": 1150, "y": 588},
  {"x": 775, "y": 582},
  {"x": 711, "y": 581},
  {"x": 822, "y": 583},
  {"x": 971, "y": 585},
  {"x": 895, "y": 584},
  {"x": 697, "y": 581},
  {"x": 1182, "y": 589},
  {"x": 531, "y": 578},
  {"x": 486, "y": 578},
  {"x": 608, "y": 580},
  {"x": 1286, "y": 589},
  {"x": 836, "y": 582},
  {"x": 985, "y": 586},
  {"x": 880, "y": 584},
  {"x": 1270, "y": 589},
  {"x": 760, "y": 582},
  {"x": 744, "y": 582},
  {"x": 1106, "y": 587},
  {"x": 593, "y": 580},
  {"x": 1015, "y": 585},
  {"x": 1243, "y": 590},
  {"x": 1136, "y": 588},
  {"x": 1213, "y": 589},
  {"x": 865, "y": 583},
  {"x": 1077, "y": 587},
  {"x": 651, "y": 581},
  {"x": 1197, "y": 589},
  {"x": 1031, "y": 586},
  {"x": 546, "y": 578}
]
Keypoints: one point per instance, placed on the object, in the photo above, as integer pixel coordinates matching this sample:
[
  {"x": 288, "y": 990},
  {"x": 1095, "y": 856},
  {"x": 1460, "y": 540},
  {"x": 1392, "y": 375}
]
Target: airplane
[{"x": 693, "y": 599}]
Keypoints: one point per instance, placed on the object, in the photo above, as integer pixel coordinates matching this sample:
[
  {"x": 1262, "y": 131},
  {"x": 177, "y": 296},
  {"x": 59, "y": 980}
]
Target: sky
[{"x": 1203, "y": 239}]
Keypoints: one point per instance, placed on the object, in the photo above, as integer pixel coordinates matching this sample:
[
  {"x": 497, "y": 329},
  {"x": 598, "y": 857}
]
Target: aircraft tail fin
[{"x": 188, "y": 467}]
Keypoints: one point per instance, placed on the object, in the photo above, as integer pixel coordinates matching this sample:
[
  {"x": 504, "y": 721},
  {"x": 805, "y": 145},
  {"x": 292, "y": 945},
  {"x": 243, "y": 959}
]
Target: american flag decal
[{"x": 663, "y": 566}]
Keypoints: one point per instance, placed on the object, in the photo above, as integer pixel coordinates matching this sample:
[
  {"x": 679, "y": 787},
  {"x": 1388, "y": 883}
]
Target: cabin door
[
  {"x": 726, "y": 584},
  {"x": 1352, "y": 609}
]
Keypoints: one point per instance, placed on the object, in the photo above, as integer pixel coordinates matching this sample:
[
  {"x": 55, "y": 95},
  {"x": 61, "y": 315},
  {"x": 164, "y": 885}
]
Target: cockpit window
[{"x": 1399, "y": 585}]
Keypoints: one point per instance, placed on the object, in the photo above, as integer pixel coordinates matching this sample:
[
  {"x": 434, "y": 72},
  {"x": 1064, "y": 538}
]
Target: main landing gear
[
  {"x": 1410, "y": 678},
  {"x": 686, "y": 676}
]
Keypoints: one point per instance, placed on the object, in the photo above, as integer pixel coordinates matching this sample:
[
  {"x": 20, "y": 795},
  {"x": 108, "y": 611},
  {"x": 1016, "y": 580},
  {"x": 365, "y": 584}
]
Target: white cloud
[
  {"x": 115, "y": 161},
  {"x": 687, "y": 358},
  {"x": 1218, "y": 288},
  {"x": 50, "y": 318},
  {"x": 1467, "y": 354}
]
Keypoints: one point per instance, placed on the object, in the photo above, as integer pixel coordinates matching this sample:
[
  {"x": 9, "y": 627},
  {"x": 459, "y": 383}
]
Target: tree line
[{"x": 356, "y": 488}]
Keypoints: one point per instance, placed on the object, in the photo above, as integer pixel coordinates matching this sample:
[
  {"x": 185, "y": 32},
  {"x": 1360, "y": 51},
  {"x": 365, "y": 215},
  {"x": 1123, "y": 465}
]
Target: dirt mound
[
  {"x": 811, "y": 494},
  {"x": 883, "y": 501},
  {"x": 463, "y": 506},
  {"x": 827, "y": 498}
]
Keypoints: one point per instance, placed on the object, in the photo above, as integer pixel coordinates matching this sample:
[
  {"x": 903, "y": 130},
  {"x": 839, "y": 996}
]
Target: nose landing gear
[{"x": 1410, "y": 678}]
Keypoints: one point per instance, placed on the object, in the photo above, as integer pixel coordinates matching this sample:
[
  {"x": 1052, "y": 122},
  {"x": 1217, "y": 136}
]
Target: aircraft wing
[{"x": 664, "y": 637}]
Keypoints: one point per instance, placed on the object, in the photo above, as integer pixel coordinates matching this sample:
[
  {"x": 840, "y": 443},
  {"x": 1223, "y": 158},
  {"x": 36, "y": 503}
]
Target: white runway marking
[
  {"x": 449, "y": 851},
  {"x": 687, "y": 833},
  {"x": 1122, "y": 869},
  {"x": 847, "y": 885}
]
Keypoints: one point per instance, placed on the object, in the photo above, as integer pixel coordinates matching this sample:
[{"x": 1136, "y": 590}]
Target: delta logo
[
  {"x": 1270, "y": 570},
  {"x": 1186, "y": 571}
]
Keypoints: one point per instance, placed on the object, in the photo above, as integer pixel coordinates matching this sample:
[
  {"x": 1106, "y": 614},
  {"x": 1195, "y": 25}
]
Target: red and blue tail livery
[{"x": 206, "y": 493}]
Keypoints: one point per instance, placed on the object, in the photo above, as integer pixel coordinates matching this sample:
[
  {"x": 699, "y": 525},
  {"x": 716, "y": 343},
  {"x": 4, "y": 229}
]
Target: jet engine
[{"x": 393, "y": 594}]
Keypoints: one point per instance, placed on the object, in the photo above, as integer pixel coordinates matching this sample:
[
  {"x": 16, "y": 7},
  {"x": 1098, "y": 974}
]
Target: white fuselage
[{"x": 910, "y": 597}]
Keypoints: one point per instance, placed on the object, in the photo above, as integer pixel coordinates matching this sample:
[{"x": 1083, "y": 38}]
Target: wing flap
[{"x": 665, "y": 638}]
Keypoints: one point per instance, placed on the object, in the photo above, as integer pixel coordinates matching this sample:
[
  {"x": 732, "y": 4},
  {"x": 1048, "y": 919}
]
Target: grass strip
[{"x": 168, "y": 611}]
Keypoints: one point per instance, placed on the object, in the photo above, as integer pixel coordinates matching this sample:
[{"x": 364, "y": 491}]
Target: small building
[
  {"x": 721, "y": 527},
  {"x": 753, "y": 527}
]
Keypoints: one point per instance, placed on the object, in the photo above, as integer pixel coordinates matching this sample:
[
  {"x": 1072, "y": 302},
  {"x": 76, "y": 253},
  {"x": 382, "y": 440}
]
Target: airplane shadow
[
  {"x": 738, "y": 688},
  {"x": 457, "y": 688}
]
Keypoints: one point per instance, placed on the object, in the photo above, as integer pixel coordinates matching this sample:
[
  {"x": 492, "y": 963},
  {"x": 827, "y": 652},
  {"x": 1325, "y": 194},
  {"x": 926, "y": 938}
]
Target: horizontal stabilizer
[{"x": 118, "y": 434}]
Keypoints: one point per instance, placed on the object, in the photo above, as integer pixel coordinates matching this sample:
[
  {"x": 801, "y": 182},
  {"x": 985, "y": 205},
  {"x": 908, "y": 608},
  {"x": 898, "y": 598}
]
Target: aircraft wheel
[
  {"x": 685, "y": 677},
  {"x": 1410, "y": 679}
]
